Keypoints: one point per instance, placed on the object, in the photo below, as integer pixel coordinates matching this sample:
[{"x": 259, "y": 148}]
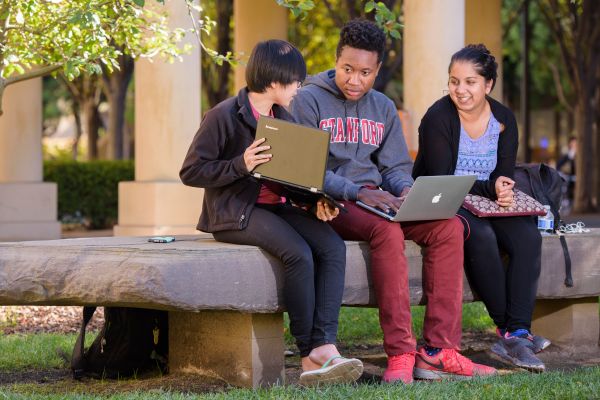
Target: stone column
[
  {"x": 28, "y": 206},
  {"x": 254, "y": 21},
  {"x": 433, "y": 31},
  {"x": 483, "y": 25},
  {"x": 242, "y": 349},
  {"x": 167, "y": 115},
  {"x": 568, "y": 322}
]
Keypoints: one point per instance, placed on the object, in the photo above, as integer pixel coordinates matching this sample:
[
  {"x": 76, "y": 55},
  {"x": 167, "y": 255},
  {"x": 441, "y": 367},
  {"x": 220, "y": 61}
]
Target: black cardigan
[{"x": 439, "y": 136}]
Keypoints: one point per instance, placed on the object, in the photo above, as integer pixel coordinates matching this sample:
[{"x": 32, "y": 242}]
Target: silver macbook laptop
[{"x": 430, "y": 198}]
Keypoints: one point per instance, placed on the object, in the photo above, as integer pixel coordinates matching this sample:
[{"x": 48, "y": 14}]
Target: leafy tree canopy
[{"x": 80, "y": 36}]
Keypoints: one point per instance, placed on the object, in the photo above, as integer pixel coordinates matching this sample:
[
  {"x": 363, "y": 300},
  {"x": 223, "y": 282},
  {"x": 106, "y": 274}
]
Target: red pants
[{"x": 442, "y": 275}]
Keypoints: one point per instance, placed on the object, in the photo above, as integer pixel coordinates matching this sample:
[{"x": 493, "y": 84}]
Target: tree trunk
[
  {"x": 585, "y": 162},
  {"x": 92, "y": 123},
  {"x": 115, "y": 89},
  {"x": 215, "y": 78},
  {"x": 78, "y": 130}
]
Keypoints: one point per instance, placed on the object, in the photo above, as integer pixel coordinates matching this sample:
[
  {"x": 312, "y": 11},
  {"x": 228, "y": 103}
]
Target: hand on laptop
[
  {"x": 251, "y": 156},
  {"x": 380, "y": 198},
  {"x": 325, "y": 211}
]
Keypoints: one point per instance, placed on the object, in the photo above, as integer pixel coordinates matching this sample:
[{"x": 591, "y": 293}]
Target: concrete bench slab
[{"x": 225, "y": 301}]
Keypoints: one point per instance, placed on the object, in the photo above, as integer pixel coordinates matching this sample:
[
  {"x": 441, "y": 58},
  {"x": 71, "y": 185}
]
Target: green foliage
[
  {"x": 544, "y": 57},
  {"x": 298, "y": 8},
  {"x": 79, "y": 35},
  {"x": 89, "y": 189},
  {"x": 317, "y": 38}
]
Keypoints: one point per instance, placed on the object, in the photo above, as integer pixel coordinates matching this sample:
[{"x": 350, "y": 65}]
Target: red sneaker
[
  {"x": 448, "y": 364},
  {"x": 400, "y": 368}
]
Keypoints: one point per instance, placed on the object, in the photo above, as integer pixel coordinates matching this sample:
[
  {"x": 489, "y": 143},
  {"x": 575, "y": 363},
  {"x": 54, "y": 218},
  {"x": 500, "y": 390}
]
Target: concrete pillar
[
  {"x": 255, "y": 21},
  {"x": 568, "y": 322},
  {"x": 433, "y": 31},
  {"x": 242, "y": 349},
  {"x": 167, "y": 115},
  {"x": 28, "y": 206},
  {"x": 483, "y": 25}
]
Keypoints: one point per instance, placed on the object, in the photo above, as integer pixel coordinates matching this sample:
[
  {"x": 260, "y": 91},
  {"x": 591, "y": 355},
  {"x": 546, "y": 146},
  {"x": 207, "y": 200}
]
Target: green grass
[
  {"x": 357, "y": 326},
  {"x": 37, "y": 351},
  {"x": 361, "y": 325},
  {"x": 583, "y": 383}
]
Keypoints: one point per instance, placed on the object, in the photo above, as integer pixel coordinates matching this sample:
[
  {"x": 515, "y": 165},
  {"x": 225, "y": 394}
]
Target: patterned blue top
[{"x": 478, "y": 156}]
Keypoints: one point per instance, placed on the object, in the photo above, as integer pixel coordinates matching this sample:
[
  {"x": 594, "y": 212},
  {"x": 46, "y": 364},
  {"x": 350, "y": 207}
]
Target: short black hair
[
  {"x": 364, "y": 35},
  {"x": 483, "y": 60},
  {"x": 274, "y": 61}
]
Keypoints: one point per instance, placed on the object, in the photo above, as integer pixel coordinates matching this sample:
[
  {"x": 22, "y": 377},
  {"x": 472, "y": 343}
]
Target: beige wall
[{"x": 256, "y": 20}]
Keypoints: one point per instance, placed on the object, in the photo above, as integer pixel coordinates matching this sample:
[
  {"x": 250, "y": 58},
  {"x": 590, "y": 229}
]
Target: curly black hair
[
  {"x": 483, "y": 60},
  {"x": 364, "y": 35}
]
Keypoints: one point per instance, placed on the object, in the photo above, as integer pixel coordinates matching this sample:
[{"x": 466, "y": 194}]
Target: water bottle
[{"x": 546, "y": 222}]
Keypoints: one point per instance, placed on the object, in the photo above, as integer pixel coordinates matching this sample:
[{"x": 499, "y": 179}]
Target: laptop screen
[{"x": 299, "y": 153}]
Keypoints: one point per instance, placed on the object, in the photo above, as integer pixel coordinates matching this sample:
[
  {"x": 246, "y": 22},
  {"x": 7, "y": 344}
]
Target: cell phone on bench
[{"x": 162, "y": 239}]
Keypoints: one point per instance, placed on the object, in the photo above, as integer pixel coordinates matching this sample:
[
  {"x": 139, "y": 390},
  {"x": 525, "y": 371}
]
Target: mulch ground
[
  {"x": 38, "y": 319},
  {"x": 43, "y": 319}
]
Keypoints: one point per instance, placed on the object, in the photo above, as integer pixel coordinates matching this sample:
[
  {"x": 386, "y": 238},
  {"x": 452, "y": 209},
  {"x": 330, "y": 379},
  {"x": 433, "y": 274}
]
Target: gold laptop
[{"x": 299, "y": 154}]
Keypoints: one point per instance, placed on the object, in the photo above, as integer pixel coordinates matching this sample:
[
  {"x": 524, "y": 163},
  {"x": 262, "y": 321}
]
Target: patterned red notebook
[{"x": 522, "y": 205}]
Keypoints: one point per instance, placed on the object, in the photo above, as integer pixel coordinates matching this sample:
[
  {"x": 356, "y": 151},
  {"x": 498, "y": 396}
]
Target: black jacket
[
  {"x": 439, "y": 136},
  {"x": 215, "y": 162}
]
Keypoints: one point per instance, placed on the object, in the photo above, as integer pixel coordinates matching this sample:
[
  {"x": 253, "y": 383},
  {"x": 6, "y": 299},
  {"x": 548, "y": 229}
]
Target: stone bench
[{"x": 225, "y": 301}]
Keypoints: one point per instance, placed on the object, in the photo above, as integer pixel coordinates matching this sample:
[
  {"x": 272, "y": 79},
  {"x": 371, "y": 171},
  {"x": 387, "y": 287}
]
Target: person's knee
[
  {"x": 450, "y": 230},
  {"x": 387, "y": 231},
  {"x": 527, "y": 242},
  {"x": 336, "y": 247},
  {"x": 299, "y": 255}
]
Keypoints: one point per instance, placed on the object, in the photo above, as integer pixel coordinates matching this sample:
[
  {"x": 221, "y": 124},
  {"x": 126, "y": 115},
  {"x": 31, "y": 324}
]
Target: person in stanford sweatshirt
[{"x": 369, "y": 161}]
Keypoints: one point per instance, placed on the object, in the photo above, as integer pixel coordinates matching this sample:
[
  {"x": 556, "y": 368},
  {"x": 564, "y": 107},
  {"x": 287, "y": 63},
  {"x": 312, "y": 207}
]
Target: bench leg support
[
  {"x": 568, "y": 322},
  {"x": 242, "y": 349}
]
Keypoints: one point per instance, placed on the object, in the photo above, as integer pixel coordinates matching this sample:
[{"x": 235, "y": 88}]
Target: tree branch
[
  {"x": 4, "y": 82},
  {"x": 334, "y": 14},
  {"x": 35, "y": 73},
  {"x": 560, "y": 93}
]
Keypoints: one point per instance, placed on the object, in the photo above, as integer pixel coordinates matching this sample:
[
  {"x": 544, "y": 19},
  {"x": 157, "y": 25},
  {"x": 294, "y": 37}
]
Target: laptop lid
[
  {"x": 435, "y": 197},
  {"x": 299, "y": 153}
]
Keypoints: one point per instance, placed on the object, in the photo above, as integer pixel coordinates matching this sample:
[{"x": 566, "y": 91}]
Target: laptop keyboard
[{"x": 390, "y": 212}]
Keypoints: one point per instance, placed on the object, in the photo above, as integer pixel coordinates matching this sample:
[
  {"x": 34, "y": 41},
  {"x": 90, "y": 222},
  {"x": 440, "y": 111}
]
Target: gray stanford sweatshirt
[{"x": 367, "y": 146}]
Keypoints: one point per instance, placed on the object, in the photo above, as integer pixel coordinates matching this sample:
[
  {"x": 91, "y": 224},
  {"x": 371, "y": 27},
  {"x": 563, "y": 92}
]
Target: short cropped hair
[
  {"x": 364, "y": 35},
  {"x": 274, "y": 61},
  {"x": 482, "y": 59}
]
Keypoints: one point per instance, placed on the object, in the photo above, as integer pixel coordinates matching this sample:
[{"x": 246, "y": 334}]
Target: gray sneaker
[
  {"x": 539, "y": 343},
  {"x": 518, "y": 351}
]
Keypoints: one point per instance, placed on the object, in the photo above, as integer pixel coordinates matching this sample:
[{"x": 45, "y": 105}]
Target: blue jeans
[{"x": 314, "y": 261}]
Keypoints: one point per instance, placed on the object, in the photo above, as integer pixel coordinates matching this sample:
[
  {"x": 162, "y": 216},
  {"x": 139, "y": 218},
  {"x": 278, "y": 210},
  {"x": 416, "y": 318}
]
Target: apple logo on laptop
[{"x": 436, "y": 199}]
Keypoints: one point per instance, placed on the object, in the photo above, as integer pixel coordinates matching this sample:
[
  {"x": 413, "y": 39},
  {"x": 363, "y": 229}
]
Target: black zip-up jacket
[
  {"x": 215, "y": 162},
  {"x": 439, "y": 137}
]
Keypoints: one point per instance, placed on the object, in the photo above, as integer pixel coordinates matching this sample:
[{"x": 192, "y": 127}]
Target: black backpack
[
  {"x": 546, "y": 185},
  {"x": 132, "y": 340}
]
